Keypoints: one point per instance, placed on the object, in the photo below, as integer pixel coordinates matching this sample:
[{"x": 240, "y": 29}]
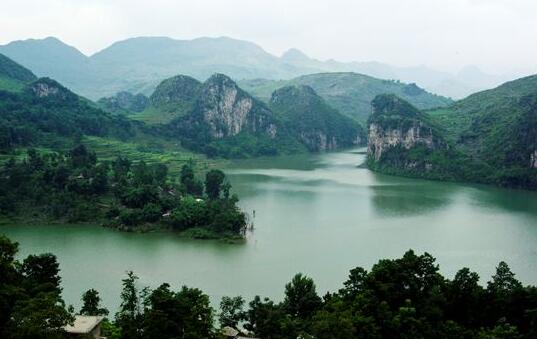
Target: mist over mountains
[{"x": 139, "y": 64}]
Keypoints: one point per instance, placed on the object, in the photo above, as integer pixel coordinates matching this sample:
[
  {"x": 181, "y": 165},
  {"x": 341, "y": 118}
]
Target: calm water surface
[{"x": 316, "y": 214}]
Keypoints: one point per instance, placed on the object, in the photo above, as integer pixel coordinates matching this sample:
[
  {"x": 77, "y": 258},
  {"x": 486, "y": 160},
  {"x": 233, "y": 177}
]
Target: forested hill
[
  {"x": 350, "y": 93},
  {"x": 12, "y": 75},
  {"x": 492, "y": 138},
  {"x": 44, "y": 111},
  {"x": 317, "y": 124},
  {"x": 219, "y": 118}
]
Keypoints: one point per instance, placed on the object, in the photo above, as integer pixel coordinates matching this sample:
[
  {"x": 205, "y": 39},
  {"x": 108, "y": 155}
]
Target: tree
[
  {"x": 41, "y": 273},
  {"x": 183, "y": 314},
  {"x": 213, "y": 183},
  {"x": 268, "y": 320},
  {"x": 189, "y": 182},
  {"x": 91, "y": 301},
  {"x": 231, "y": 311},
  {"x": 504, "y": 281},
  {"x": 43, "y": 316},
  {"x": 129, "y": 315},
  {"x": 301, "y": 299}
]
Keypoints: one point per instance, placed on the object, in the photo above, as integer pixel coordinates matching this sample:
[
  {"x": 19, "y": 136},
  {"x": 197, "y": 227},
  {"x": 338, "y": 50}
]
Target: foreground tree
[
  {"x": 231, "y": 311},
  {"x": 30, "y": 302},
  {"x": 91, "y": 304},
  {"x": 301, "y": 299}
]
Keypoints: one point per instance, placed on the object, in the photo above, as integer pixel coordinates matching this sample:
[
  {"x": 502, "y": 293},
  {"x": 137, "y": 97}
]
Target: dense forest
[
  {"x": 398, "y": 298},
  {"x": 76, "y": 187}
]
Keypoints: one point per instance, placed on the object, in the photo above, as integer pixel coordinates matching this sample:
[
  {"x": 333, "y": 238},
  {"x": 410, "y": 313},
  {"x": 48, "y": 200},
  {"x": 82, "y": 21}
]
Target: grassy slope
[{"x": 7, "y": 84}]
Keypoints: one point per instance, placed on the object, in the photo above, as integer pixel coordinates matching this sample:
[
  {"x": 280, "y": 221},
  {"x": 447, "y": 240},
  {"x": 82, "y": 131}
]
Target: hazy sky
[{"x": 496, "y": 35}]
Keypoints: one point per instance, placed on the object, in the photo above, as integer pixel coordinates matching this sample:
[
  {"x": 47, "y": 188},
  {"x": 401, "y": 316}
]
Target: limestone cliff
[
  {"x": 400, "y": 136},
  {"x": 226, "y": 110}
]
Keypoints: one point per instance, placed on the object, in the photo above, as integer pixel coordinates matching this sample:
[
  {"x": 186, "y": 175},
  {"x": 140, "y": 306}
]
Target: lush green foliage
[
  {"x": 30, "y": 302},
  {"x": 47, "y": 108},
  {"x": 490, "y": 137},
  {"x": 77, "y": 188},
  {"x": 309, "y": 117},
  {"x": 398, "y": 298}
]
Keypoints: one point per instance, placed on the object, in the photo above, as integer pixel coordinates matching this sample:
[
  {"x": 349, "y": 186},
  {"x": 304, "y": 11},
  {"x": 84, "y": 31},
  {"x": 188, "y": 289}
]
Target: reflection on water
[
  {"x": 316, "y": 214},
  {"x": 407, "y": 200}
]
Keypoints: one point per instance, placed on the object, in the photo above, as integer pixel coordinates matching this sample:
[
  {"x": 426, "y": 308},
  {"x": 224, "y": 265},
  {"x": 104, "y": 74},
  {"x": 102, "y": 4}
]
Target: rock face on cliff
[
  {"x": 227, "y": 110},
  {"x": 319, "y": 126},
  {"x": 400, "y": 137},
  {"x": 46, "y": 88},
  {"x": 226, "y": 119}
]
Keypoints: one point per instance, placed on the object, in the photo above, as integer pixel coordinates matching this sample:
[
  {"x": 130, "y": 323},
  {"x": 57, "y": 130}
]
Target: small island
[{"x": 75, "y": 187}]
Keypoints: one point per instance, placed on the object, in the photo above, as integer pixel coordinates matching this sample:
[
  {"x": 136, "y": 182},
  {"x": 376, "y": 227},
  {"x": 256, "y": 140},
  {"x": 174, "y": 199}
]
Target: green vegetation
[
  {"x": 75, "y": 187},
  {"x": 319, "y": 126},
  {"x": 490, "y": 137},
  {"x": 349, "y": 93},
  {"x": 124, "y": 103},
  {"x": 46, "y": 109},
  {"x": 405, "y": 297},
  {"x": 13, "y": 76},
  {"x": 226, "y": 121}
]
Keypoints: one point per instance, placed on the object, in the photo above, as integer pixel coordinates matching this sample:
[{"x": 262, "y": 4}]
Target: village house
[{"x": 85, "y": 326}]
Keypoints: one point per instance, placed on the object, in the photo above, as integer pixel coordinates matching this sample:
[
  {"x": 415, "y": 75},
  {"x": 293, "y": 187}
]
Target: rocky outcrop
[
  {"x": 46, "y": 88},
  {"x": 227, "y": 110},
  {"x": 318, "y": 126},
  {"x": 533, "y": 159},
  {"x": 395, "y": 128},
  {"x": 381, "y": 138}
]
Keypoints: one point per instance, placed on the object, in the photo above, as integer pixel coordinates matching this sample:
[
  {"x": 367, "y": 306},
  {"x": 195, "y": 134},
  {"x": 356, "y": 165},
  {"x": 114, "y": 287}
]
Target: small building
[
  {"x": 85, "y": 326},
  {"x": 230, "y": 332}
]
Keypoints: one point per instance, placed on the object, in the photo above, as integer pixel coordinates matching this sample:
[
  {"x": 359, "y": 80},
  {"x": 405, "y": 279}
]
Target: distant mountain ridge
[
  {"x": 137, "y": 65},
  {"x": 350, "y": 93}
]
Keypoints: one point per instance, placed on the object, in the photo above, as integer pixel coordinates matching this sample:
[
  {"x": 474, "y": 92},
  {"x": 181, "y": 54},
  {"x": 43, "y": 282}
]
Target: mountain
[
  {"x": 138, "y": 65},
  {"x": 52, "y": 58},
  {"x": 44, "y": 112},
  {"x": 402, "y": 140},
  {"x": 468, "y": 80},
  {"x": 319, "y": 126},
  {"x": 225, "y": 120},
  {"x": 350, "y": 93},
  {"x": 499, "y": 127},
  {"x": 124, "y": 103},
  {"x": 12, "y": 75},
  {"x": 222, "y": 119},
  {"x": 489, "y": 137}
]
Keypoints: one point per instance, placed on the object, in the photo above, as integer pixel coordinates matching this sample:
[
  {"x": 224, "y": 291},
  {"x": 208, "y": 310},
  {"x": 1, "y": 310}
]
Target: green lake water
[{"x": 317, "y": 214}]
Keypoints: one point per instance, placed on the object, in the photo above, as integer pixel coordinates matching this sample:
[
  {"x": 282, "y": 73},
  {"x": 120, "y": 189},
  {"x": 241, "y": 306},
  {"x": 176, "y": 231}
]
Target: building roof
[
  {"x": 84, "y": 324},
  {"x": 229, "y": 332}
]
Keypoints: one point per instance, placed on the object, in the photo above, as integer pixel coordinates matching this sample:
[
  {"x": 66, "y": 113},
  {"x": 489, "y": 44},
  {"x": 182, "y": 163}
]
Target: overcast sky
[{"x": 497, "y": 35}]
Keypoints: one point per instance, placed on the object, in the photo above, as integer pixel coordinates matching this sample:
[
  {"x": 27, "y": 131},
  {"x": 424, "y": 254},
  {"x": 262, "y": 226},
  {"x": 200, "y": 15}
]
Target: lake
[{"x": 317, "y": 214}]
